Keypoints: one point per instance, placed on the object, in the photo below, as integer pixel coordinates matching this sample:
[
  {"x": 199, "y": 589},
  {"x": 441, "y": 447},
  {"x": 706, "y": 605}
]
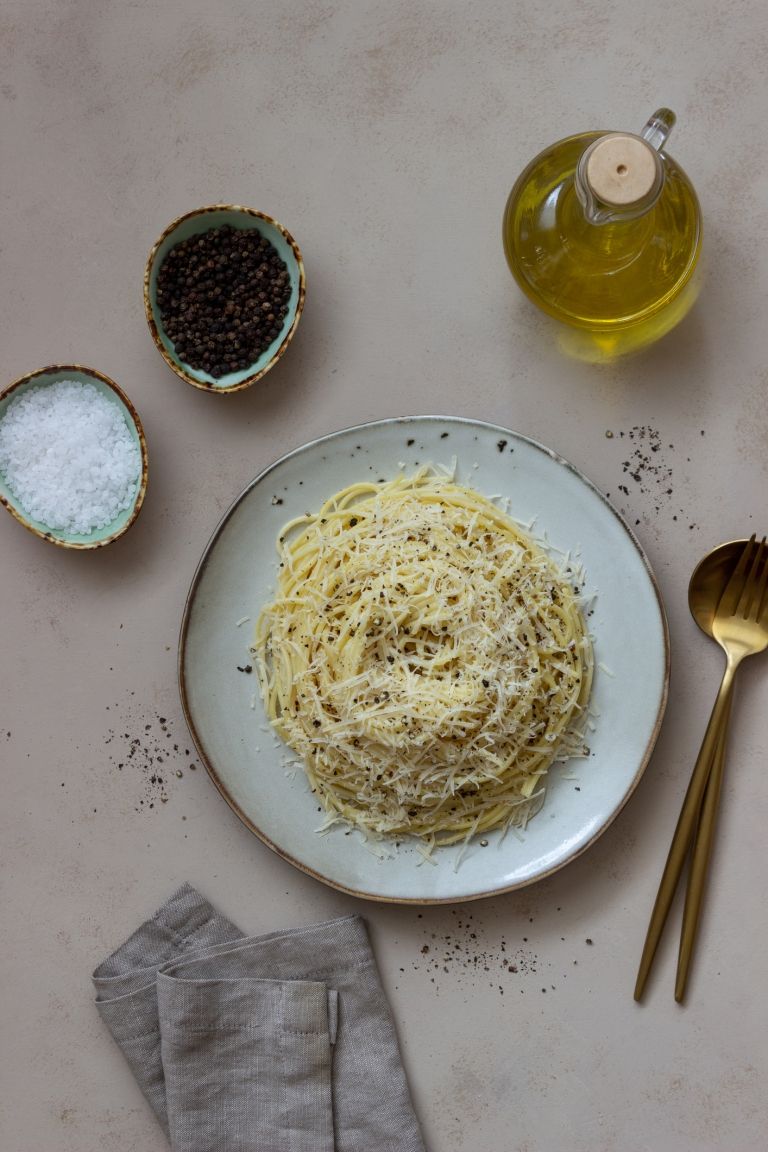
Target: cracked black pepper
[{"x": 223, "y": 297}]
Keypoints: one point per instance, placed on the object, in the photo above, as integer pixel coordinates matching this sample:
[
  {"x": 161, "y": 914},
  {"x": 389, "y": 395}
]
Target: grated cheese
[{"x": 425, "y": 658}]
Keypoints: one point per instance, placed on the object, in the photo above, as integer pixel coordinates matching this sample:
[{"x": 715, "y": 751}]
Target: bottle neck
[
  {"x": 620, "y": 175},
  {"x": 595, "y": 181}
]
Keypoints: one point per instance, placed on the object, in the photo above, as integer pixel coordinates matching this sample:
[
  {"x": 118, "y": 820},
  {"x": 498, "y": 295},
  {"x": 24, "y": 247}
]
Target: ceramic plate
[{"x": 238, "y": 571}]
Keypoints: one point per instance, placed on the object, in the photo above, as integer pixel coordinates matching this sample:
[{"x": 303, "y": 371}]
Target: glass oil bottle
[{"x": 603, "y": 232}]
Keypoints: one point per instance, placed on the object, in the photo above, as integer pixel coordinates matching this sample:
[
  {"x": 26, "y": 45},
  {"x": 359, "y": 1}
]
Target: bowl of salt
[{"x": 73, "y": 457}]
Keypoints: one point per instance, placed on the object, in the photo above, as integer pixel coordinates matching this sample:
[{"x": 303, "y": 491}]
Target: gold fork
[{"x": 740, "y": 627}]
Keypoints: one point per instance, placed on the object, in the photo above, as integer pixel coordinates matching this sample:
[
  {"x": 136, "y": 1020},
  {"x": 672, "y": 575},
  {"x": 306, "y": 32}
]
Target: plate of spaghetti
[{"x": 407, "y": 662}]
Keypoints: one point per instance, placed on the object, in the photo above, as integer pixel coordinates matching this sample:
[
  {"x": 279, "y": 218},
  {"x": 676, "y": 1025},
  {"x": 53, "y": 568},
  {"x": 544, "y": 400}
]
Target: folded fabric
[{"x": 277, "y": 1043}]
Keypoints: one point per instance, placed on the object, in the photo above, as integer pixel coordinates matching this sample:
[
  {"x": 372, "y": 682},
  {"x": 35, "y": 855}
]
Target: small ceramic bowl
[
  {"x": 203, "y": 220},
  {"x": 99, "y": 536}
]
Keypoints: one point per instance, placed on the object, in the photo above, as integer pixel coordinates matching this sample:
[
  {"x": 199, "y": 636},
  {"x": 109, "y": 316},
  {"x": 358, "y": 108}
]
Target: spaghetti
[{"x": 425, "y": 658}]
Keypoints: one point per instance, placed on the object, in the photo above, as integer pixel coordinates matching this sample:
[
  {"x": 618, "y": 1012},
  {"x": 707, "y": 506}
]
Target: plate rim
[{"x": 222, "y": 788}]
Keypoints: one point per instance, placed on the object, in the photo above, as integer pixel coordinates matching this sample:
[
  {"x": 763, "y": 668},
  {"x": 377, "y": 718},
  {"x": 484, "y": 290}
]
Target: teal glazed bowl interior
[
  {"x": 99, "y": 536},
  {"x": 193, "y": 224}
]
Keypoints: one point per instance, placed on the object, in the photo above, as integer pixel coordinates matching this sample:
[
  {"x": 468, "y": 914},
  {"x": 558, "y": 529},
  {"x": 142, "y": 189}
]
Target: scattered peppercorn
[{"x": 223, "y": 297}]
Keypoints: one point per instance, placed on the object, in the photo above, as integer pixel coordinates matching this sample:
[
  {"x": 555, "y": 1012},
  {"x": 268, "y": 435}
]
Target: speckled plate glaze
[{"x": 238, "y": 570}]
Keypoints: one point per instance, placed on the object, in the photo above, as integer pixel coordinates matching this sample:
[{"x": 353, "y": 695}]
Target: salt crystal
[{"x": 68, "y": 456}]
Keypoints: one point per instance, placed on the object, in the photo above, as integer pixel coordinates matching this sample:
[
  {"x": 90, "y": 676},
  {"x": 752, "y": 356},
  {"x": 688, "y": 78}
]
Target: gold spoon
[
  {"x": 729, "y": 604},
  {"x": 705, "y": 590}
]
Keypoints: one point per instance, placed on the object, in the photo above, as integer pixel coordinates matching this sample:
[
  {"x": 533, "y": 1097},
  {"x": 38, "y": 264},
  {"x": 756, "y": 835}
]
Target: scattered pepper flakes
[
  {"x": 648, "y": 466},
  {"x": 465, "y": 950},
  {"x": 146, "y": 757}
]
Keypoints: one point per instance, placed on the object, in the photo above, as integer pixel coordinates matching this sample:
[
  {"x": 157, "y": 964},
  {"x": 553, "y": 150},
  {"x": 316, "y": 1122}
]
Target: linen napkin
[{"x": 276, "y": 1043}]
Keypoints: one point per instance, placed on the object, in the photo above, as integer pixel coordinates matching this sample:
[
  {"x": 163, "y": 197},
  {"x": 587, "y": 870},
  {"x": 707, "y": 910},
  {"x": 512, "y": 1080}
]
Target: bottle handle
[{"x": 658, "y": 128}]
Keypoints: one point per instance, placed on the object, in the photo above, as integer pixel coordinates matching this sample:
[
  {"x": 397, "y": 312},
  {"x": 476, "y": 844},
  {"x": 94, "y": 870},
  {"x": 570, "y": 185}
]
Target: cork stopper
[{"x": 622, "y": 170}]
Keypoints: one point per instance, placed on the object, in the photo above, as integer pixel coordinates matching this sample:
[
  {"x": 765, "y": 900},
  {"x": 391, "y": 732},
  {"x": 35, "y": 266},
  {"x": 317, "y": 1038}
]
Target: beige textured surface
[{"x": 386, "y": 137}]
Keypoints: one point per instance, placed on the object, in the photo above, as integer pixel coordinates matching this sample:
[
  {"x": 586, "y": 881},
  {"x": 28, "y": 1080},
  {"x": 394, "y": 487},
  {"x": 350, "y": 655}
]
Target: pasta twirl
[{"x": 426, "y": 659}]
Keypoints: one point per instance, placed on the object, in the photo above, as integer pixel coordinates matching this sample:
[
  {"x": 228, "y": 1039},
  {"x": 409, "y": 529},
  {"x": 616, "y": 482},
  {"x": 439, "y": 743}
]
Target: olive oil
[{"x": 619, "y": 274}]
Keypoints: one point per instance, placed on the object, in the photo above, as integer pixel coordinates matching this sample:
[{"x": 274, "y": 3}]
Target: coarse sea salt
[{"x": 68, "y": 456}]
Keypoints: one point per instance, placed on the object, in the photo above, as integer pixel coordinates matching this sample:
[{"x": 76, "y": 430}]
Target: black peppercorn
[{"x": 209, "y": 308}]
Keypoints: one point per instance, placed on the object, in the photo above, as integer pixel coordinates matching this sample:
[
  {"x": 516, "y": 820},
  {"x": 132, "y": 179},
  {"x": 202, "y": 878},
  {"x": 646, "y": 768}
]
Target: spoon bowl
[{"x": 709, "y": 581}]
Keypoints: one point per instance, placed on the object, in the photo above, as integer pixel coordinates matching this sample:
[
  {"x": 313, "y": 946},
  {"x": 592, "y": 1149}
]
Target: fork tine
[
  {"x": 759, "y": 593},
  {"x": 735, "y": 585},
  {"x": 747, "y": 593}
]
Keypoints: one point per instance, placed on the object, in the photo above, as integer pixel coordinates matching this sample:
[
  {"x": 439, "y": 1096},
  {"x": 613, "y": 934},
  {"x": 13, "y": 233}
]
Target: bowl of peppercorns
[{"x": 224, "y": 288}]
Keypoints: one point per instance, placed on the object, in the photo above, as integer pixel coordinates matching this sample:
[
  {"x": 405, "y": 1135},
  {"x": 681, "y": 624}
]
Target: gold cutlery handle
[
  {"x": 686, "y": 824},
  {"x": 700, "y": 857}
]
